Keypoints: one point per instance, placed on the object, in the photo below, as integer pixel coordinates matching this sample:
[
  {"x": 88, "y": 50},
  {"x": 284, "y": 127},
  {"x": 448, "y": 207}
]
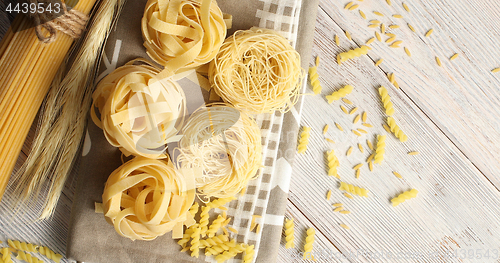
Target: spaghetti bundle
[
  {"x": 145, "y": 198},
  {"x": 182, "y": 34},
  {"x": 225, "y": 144},
  {"x": 139, "y": 113},
  {"x": 257, "y": 70},
  {"x": 28, "y": 68}
]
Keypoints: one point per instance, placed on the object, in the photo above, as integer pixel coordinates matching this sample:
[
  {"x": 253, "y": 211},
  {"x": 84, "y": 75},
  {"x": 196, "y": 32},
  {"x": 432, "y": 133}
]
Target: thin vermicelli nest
[
  {"x": 225, "y": 144},
  {"x": 257, "y": 70},
  {"x": 139, "y": 113},
  {"x": 146, "y": 198}
]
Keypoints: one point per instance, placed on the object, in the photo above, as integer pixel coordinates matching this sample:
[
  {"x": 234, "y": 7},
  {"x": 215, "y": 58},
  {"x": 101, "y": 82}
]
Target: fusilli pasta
[
  {"x": 217, "y": 249},
  {"x": 308, "y": 246},
  {"x": 186, "y": 237},
  {"x": 195, "y": 241},
  {"x": 204, "y": 220},
  {"x": 23, "y": 246},
  {"x": 380, "y": 150},
  {"x": 6, "y": 258},
  {"x": 404, "y": 196},
  {"x": 314, "y": 78},
  {"x": 50, "y": 254},
  {"x": 215, "y": 226},
  {"x": 213, "y": 241},
  {"x": 336, "y": 95},
  {"x": 353, "y": 189},
  {"x": 396, "y": 130},
  {"x": 249, "y": 254},
  {"x": 386, "y": 100},
  {"x": 27, "y": 257},
  {"x": 231, "y": 253},
  {"x": 333, "y": 163},
  {"x": 357, "y": 52},
  {"x": 304, "y": 140},
  {"x": 289, "y": 233}
]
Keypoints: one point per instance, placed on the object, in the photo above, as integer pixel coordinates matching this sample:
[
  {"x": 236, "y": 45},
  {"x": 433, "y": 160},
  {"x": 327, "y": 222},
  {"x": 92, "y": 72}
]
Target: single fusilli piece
[
  {"x": 333, "y": 164},
  {"x": 27, "y": 257},
  {"x": 337, "y": 95},
  {"x": 186, "y": 237},
  {"x": 231, "y": 253},
  {"x": 353, "y": 189},
  {"x": 215, "y": 226},
  {"x": 396, "y": 130},
  {"x": 23, "y": 246},
  {"x": 386, "y": 100},
  {"x": 204, "y": 220},
  {"x": 194, "y": 209},
  {"x": 380, "y": 149},
  {"x": 357, "y": 52},
  {"x": 249, "y": 253},
  {"x": 314, "y": 78},
  {"x": 50, "y": 254},
  {"x": 213, "y": 241},
  {"x": 217, "y": 249},
  {"x": 195, "y": 241},
  {"x": 6, "y": 258},
  {"x": 220, "y": 202},
  {"x": 304, "y": 140},
  {"x": 289, "y": 233},
  {"x": 404, "y": 196},
  {"x": 308, "y": 246}
]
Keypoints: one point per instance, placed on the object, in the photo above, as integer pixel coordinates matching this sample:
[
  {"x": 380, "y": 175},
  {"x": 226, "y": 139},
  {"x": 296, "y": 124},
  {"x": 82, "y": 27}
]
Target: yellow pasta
[
  {"x": 413, "y": 153},
  {"x": 357, "y": 173},
  {"x": 339, "y": 127},
  {"x": 404, "y": 196},
  {"x": 195, "y": 241},
  {"x": 377, "y": 35},
  {"x": 337, "y": 41},
  {"x": 364, "y": 116},
  {"x": 361, "y": 130},
  {"x": 396, "y": 130},
  {"x": 411, "y": 27},
  {"x": 407, "y": 51},
  {"x": 406, "y": 7},
  {"x": 215, "y": 226},
  {"x": 342, "y": 92},
  {"x": 495, "y": 70},
  {"x": 388, "y": 2},
  {"x": 373, "y": 25},
  {"x": 347, "y": 101},
  {"x": 386, "y": 100},
  {"x": 353, "y": 7},
  {"x": 308, "y": 246},
  {"x": 390, "y": 39},
  {"x": 213, "y": 241},
  {"x": 382, "y": 28},
  {"x": 345, "y": 212},
  {"x": 314, "y": 78},
  {"x": 397, "y": 175},
  {"x": 337, "y": 204},
  {"x": 6, "y": 257},
  {"x": 338, "y": 209},
  {"x": 349, "y": 151},
  {"x": 328, "y": 194},
  {"x": 275, "y": 88},
  {"x": 378, "y": 13},
  {"x": 348, "y": 5},
  {"x": 454, "y": 56},
  {"x": 428, "y": 34},
  {"x": 333, "y": 164},
  {"x": 348, "y": 196},
  {"x": 27, "y": 257},
  {"x": 374, "y": 21},
  {"x": 356, "y": 119},
  {"x": 219, "y": 248},
  {"x": 370, "y": 166},
  {"x": 390, "y": 34},
  {"x": 259, "y": 227},
  {"x": 360, "y": 147},
  {"x": 370, "y": 158},
  {"x": 386, "y": 128},
  {"x": 370, "y": 145},
  {"x": 232, "y": 229},
  {"x": 353, "y": 189},
  {"x": 394, "y": 45},
  {"x": 362, "y": 14},
  {"x": 369, "y": 41},
  {"x": 50, "y": 254},
  {"x": 397, "y": 16},
  {"x": 345, "y": 226},
  {"x": 348, "y": 35},
  {"x": 186, "y": 237},
  {"x": 379, "y": 62},
  {"x": 393, "y": 26},
  {"x": 26, "y": 247},
  {"x": 367, "y": 125},
  {"x": 289, "y": 233},
  {"x": 231, "y": 253},
  {"x": 353, "y": 53},
  {"x": 204, "y": 220},
  {"x": 325, "y": 129},
  {"x": 438, "y": 61},
  {"x": 353, "y": 110},
  {"x": 249, "y": 254},
  {"x": 217, "y": 203},
  {"x": 356, "y": 132},
  {"x": 304, "y": 140},
  {"x": 330, "y": 140},
  {"x": 380, "y": 149},
  {"x": 357, "y": 166}
]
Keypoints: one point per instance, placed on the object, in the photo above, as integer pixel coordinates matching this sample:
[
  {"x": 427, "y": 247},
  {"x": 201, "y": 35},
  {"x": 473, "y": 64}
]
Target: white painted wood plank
[{"x": 456, "y": 207}]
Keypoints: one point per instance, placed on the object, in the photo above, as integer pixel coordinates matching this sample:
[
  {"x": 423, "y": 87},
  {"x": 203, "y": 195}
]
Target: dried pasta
[
  {"x": 356, "y": 119},
  {"x": 330, "y": 140},
  {"x": 230, "y": 253},
  {"x": 232, "y": 72},
  {"x": 356, "y": 132},
  {"x": 357, "y": 173},
  {"x": 428, "y": 34},
  {"x": 348, "y": 35},
  {"x": 370, "y": 166},
  {"x": 182, "y": 35},
  {"x": 225, "y": 144},
  {"x": 348, "y": 196},
  {"x": 353, "y": 189},
  {"x": 413, "y": 153},
  {"x": 407, "y": 51},
  {"x": 382, "y": 28},
  {"x": 249, "y": 254},
  {"x": 370, "y": 145},
  {"x": 345, "y": 212},
  {"x": 379, "y": 62},
  {"x": 339, "y": 127},
  {"x": 495, "y": 70},
  {"x": 360, "y": 147},
  {"x": 314, "y": 79},
  {"x": 337, "y": 204},
  {"x": 289, "y": 233},
  {"x": 397, "y": 16},
  {"x": 396, "y": 130},
  {"x": 353, "y": 110},
  {"x": 195, "y": 241},
  {"x": 337, "y": 41},
  {"x": 353, "y": 7},
  {"x": 454, "y": 56},
  {"x": 438, "y": 61},
  {"x": 325, "y": 129},
  {"x": 349, "y": 151},
  {"x": 333, "y": 164},
  {"x": 362, "y": 14},
  {"x": 406, "y": 7},
  {"x": 348, "y": 5},
  {"x": 127, "y": 208},
  {"x": 345, "y": 226},
  {"x": 27, "y": 257},
  {"x": 386, "y": 100},
  {"x": 347, "y": 101},
  {"x": 186, "y": 237},
  {"x": 308, "y": 246},
  {"x": 380, "y": 149},
  {"x": 404, "y": 196},
  {"x": 26, "y": 247},
  {"x": 215, "y": 226},
  {"x": 6, "y": 257},
  {"x": 131, "y": 96},
  {"x": 213, "y": 241},
  {"x": 378, "y": 13},
  {"x": 304, "y": 140},
  {"x": 338, "y": 209},
  {"x": 369, "y": 41},
  {"x": 342, "y": 92},
  {"x": 357, "y": 166},
  {"x": 411, "y": 28},
  {"x": 364, "y": 116},
  {"x": 394, "y": 26},
  {"x": 217, "y": 249},
  {"x": 377, "y": 35},
  {"x": 397, "y": 175},
  {"x": 204, "y": 220},
  {"x": 328, "y": 195},
  {"x": 50, "y": 254},
  {"x": 353, "y": 53}
]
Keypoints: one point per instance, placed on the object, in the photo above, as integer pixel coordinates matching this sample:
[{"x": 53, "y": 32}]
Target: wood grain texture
[{"x": 449, "y": 113}]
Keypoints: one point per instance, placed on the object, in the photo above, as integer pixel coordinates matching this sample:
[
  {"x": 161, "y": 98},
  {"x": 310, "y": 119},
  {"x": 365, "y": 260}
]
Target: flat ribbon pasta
[
  {"x": 257, "y": 70},
  {"x": 145, "y": 198},
  {"x": 182, "y": 34},
  {"x": 225, "y": 144},
  {"x": 139, "y": 113}
]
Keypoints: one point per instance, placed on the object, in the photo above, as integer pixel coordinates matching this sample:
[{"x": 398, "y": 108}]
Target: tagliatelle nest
[
  {"x": 257, "y": 70},
  {"x": 139, "y": 113},
  {"x": 146, "y": 198},
  {"x": 225, "y": 144}
]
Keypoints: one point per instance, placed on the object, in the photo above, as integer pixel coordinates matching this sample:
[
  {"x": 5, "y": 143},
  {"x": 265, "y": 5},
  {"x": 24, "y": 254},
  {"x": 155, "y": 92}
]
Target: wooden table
[{"x": 450, "y": 114}]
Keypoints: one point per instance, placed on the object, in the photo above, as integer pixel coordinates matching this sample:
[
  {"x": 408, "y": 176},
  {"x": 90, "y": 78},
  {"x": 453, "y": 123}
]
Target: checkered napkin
[{"x": 91, "y": 239}]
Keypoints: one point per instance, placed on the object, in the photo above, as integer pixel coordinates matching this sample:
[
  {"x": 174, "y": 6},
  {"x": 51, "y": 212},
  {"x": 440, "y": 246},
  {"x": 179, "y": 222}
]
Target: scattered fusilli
[
  {"x": 50, "y": 254},
  {"x": 404, "y": 196},
  {"x": 386, "y": 100},
  {"x": 353, "y": 189},
  {"x": 380, "y": 149},
  {"x": 27, "y": 257},
  {"x": 215, "y": 226},
  {"x": 289, "y": 233},
  {"x": 249, "y": 253},
  {"x": 204, "y": 220},
  {"x": 396, "y": 130},
  {"x": 231, "y": 253},
  {"x": 213, "y": 241},
  {"x": 336, "y": 95},
  {"x": 195, "y": 241},
  {"x": 308, "y": 246},
  {"x": 333, "y": 164},
  {"x": 23, "y": 246},
  {"x": 357, "y": 52},
  {"x": 314, "y": 78},
  {"x": 6, "y": 258},
  {"x": 304, "y": 140}
]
